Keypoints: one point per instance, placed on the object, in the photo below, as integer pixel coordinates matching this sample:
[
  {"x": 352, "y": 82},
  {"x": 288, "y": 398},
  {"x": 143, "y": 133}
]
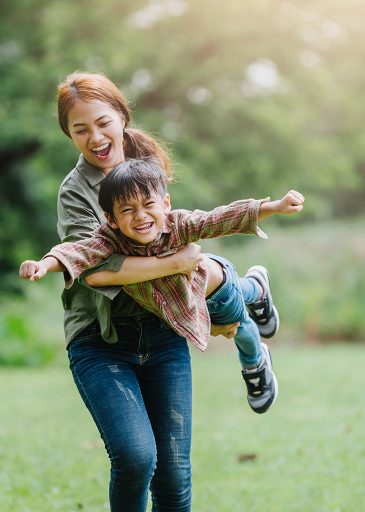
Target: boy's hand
[
  {"x": 292, "y": 202},
  {"x": 228, "y": 331},
  {"x": 32, "y": 270}
]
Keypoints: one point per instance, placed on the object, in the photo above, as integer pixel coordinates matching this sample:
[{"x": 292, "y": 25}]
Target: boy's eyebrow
[
  {"x": 124, "y": 204},
  {"x": 121, "y": 205},
  {"x": 96, "y": 120},
  {"x": 128, "y": 201}
]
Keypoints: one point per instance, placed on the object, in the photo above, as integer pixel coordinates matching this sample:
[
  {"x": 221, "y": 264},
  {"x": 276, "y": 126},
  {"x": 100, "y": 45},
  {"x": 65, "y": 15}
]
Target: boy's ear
[
  {"x": 167, "y": 203},
  {"x": 110, "y": 220}
]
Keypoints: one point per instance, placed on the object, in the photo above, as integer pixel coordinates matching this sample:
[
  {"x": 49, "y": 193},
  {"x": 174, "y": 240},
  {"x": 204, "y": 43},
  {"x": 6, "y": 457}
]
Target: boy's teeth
[
  {"x": 100, "y": 148},
  {"x": 144, "y": 226}
]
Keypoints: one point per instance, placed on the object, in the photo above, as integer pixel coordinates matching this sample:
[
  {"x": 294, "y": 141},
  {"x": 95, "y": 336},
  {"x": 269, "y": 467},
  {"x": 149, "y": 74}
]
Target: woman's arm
[{"x": 136, "y": 269}]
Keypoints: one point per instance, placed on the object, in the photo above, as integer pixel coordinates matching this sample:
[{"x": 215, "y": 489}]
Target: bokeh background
[{"x": 252, "y": 98}]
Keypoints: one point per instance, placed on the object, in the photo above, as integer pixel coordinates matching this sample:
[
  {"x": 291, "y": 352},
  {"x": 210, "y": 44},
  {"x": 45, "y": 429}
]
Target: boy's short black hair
[{"x": 130, "y": 179}]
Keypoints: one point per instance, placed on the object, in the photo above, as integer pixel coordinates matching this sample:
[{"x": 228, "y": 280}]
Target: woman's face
[{"x": 97, "y": 131}]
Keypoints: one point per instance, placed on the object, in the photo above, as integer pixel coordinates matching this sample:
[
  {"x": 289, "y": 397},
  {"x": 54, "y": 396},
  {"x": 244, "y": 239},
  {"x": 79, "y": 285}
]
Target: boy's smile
[{"x": 141, "y": 218}]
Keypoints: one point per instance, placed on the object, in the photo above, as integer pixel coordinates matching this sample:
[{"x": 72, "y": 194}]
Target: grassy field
[{"x": 306, "y": 455}]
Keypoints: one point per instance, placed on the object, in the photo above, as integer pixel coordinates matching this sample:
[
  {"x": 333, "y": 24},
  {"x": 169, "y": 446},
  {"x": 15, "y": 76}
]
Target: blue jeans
[
  {"x": 138, "y": 392},
  {"x": 227, "y": 306}
]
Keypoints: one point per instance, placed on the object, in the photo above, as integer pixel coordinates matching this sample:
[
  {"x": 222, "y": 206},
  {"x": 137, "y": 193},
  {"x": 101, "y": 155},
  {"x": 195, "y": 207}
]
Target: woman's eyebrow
[{"x": 96, "y": 120}]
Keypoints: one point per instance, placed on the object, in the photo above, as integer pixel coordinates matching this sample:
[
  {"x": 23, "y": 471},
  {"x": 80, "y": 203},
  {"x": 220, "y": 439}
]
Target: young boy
[{"x": 140, "y": 222}]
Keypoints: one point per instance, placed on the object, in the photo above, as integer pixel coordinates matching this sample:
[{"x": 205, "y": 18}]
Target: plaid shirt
[{"x": 173, "y": 298}]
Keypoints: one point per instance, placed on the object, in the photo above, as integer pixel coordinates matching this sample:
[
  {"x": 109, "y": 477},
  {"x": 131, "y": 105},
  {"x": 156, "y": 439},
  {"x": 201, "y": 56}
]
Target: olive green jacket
[{"x": 79, "y": 214}]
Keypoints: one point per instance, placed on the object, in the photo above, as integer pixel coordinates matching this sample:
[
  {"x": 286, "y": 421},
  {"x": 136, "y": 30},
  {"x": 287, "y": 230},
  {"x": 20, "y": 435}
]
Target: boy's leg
[
  {"x": 255, "y": 286},
  {"x": 226, "y": 305},
  {"x": 257, "y": 372}
]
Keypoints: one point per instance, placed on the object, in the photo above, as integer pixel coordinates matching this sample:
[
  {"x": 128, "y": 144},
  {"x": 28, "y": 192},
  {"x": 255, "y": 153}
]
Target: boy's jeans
[
  {"x": 138, "y": 392},
  {"x": 227, "y": 306}
]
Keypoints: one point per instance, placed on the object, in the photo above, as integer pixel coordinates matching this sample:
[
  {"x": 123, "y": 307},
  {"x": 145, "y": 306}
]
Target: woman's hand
[
  {"x": 228, "y": 331},
  {"x": 188, "y": 259}
]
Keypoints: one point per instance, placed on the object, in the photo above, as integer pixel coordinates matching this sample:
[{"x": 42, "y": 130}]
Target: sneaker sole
[
  {"x": 271, "y": 333},
  {"x": 261, "y": 274},
  {"x": 276, "y": 384}
]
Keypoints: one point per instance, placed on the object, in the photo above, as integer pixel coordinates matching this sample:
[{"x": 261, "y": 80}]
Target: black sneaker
[
  {"x": 263, "y": 312},
  {"x": 262, "y": 386}
]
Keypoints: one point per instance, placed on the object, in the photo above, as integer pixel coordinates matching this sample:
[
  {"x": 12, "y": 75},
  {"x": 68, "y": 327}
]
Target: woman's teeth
[{"x": 101, "y": 150}]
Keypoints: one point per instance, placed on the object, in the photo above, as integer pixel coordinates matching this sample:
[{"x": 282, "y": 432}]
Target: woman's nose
[{"x": 96, "y": 136}]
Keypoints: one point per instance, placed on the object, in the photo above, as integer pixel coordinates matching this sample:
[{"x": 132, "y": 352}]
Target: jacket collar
[{"x": 93, "y": 175}]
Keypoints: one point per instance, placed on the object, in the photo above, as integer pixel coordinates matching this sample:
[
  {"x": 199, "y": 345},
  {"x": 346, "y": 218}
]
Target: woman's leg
[
  {"x": 106, "y": 378},
  {"x": 166, "y": 388}
]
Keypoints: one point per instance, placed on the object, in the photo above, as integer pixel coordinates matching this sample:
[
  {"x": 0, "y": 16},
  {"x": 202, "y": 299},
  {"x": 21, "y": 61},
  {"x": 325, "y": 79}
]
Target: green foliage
[
  {"x": 315, "y": 283},
  {"x": 253, "y": 98},
  {"x": 22, "y": 345},
  {"x": 315, "y": 276},
  {"x": 31, "y": 325}
]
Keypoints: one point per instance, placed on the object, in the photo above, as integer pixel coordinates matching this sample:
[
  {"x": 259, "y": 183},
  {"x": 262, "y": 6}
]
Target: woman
[
  {"x": 132, "y": 371},
  {"x": 138, "y": 390}
]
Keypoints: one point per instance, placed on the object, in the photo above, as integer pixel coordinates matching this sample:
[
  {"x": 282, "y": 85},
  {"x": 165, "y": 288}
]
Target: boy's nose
[{"x": 140, "y": 215}]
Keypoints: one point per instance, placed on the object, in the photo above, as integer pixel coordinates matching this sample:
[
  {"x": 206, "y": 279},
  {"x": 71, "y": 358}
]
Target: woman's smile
[
  {"x": 102, "y": 152},
  {"x": 97, "y": 131}
]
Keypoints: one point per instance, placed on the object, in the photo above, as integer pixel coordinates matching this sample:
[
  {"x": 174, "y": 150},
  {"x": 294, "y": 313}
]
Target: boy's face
[{"x": 140, "y": 218}]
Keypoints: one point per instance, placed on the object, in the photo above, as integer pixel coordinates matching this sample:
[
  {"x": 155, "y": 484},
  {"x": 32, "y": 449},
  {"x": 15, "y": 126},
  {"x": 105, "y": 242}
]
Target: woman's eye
[
  {"x": 102, "y": 125},
  {"x": 80, "y": 132}
]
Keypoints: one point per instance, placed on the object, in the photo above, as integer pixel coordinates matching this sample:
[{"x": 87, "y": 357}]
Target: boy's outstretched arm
[
  {"x": 291, "y": 203},
  {"x": 35, "y": 270}
]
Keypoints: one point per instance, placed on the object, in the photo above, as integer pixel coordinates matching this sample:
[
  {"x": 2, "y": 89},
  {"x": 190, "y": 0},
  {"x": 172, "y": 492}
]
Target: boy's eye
[
  {"x": 126, "y": 210},
  {"x": 150, "y": 203}
]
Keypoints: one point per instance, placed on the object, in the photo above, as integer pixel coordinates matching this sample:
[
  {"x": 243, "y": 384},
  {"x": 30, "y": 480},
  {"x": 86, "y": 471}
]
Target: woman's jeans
[
  {"x": 227, "y": 306},
  {"x": 138, "y": 392}
]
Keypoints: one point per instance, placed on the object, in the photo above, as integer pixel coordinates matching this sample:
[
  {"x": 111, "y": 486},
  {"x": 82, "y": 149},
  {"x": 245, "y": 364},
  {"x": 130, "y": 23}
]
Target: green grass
[{"x": 305, "y": 455}]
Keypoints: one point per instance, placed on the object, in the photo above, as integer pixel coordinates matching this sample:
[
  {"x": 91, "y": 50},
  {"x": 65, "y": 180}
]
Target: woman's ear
[
  {"x": 110, "y": 220},
  {"x": 167, "y": 203}
]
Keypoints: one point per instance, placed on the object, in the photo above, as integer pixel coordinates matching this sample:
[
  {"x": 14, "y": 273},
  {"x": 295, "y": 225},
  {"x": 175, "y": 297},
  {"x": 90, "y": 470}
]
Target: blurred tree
[{"x": 254, "y": 97}]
